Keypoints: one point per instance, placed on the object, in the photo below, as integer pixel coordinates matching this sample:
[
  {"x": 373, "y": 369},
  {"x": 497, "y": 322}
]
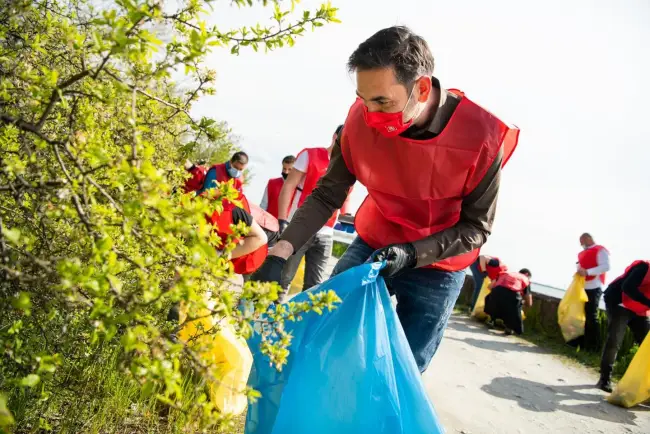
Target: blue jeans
[
  {"x": 425, "y": 300},
  {"x": 478, "y": 276}
]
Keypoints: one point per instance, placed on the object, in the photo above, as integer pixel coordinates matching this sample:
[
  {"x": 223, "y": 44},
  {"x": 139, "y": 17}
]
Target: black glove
[
  {"x": 283, "y": 225},
  {"x": 270, "y": 271},
  {"x": 397, "y": 257}
]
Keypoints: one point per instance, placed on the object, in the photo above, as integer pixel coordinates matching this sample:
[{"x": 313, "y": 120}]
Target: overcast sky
[{"x": 574, "y": 76}]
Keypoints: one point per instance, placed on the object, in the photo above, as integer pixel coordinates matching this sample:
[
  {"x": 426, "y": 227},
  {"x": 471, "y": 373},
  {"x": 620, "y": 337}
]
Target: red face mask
[{"x": 388, "y": 124}]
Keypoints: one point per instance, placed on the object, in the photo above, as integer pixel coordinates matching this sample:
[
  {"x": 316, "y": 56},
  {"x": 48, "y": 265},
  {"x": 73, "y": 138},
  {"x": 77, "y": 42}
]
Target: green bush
[{"x": 94, "y": 245}]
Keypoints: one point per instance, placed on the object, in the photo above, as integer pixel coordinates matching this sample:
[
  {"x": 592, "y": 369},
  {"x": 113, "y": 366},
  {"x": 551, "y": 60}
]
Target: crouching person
[
  {"x": 251, "y": 249},
  {"x": 509, "y": 292}
]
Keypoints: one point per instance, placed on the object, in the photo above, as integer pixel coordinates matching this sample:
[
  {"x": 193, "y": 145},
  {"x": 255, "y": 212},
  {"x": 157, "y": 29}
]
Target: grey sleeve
[
  {"x": 328, "y": 196},
  {"x": 474, "y": 226},
  {"x": 264, "y": 204}
]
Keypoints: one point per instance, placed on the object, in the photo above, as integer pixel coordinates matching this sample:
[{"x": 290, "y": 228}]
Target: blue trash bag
[{"x": 350, "y": 371}]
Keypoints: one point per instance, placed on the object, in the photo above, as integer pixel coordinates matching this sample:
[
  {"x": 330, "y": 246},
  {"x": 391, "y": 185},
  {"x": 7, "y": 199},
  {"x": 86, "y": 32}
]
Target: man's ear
[{"x": 424, "y": 87}]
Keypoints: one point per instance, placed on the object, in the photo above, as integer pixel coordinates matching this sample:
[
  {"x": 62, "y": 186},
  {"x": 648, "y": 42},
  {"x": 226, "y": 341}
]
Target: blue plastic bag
[{"x": 351, "y": 371}]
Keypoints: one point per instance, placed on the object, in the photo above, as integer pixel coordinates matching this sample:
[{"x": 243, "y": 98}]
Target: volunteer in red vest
[
  {"x": 224, "y": 172},
  {"x": 627, "y": 300},
  {"x": 272, "y": 191},
  {"x": 250, "y": 250},
  {"x": 431, "y": 161},
  {"x": 197, "y": 176},
  {"x": 593, "y": 263},
  {"x": 506, "y": 299},
  {"x": 310, "y": 165}
]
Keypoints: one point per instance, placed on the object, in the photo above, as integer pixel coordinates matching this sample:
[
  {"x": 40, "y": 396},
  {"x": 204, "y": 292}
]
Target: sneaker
[
  {"x": 604, "y": 384},
  {"x": 508, "y": 331}
]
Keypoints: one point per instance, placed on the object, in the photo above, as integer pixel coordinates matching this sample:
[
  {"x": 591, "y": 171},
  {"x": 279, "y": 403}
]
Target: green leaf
[
  {"x": 30, "y": 381},
  {"x": 12, "y": 235},
  {"x": 22, "y": 302},
  {"x": 6, "y": 418}
]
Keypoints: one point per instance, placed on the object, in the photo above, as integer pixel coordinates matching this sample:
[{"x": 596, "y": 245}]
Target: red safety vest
[
  {"x": 222, "y": 223},
  {"x": 319, "y": 159},
  {"x": 416, "y": 187},
  {"x": 588, "y": 258},
  {"x": 273, "y": 188},
  {"x": 222, "y": 176},
  {"x": 633, "y": 305},
  {"x": 195, "y": 182},
  {"x": 515, "y": 282}
]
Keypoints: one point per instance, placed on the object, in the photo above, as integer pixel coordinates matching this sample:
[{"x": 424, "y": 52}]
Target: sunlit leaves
[{"x": 96, "y": 241}]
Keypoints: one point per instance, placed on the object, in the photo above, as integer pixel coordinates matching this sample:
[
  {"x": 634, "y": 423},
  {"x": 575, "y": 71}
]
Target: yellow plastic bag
[
  {"x": 571, "y": 311},
  {"x": 228, "y": 356},
  {"x": 634, "y": 387},
  {"x": 298, "y": 279},
  {"x": 479, "y": 307}
]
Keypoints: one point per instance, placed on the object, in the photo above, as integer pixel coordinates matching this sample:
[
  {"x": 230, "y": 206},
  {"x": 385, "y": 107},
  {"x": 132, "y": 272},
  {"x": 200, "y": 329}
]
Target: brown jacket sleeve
[
  {"x": 328, "y": 196},
  {"x": 475, "y": 224}
]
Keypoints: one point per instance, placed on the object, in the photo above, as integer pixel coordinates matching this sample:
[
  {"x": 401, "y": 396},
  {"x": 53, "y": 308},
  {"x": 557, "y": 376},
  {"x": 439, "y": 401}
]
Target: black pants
[
  {"x": 592, "y": 327},
  {"x": 591, "y": 339},
  {"x": 618, "y": 320},
  {"x": 505, "y": 304}
]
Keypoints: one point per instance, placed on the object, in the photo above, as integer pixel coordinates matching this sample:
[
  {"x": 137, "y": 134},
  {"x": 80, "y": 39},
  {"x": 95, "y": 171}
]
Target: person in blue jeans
[
  {"x": 431, "y": 161},
  {"x": 425, "y": 299}
]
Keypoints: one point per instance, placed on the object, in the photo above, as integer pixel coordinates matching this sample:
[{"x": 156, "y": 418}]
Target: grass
[{"x": 111, "y": 402}]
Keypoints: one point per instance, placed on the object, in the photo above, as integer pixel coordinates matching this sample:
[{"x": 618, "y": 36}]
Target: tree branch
[
  {"x": 55, "y": 97},
  {"x": 25, "y": 126}
]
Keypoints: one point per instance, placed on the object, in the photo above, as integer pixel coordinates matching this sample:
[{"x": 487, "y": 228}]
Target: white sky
[{"x": 572, "y": 75}]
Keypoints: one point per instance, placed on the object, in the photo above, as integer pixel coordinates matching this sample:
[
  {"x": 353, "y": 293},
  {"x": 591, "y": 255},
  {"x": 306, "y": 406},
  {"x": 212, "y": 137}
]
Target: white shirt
[
  {"x": 301, "y": 164},
  {"x": 601, "y": 268}
]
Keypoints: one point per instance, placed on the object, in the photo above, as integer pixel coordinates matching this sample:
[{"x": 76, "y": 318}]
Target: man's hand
[
  {"x": 398, "y": 257},
  {"x": 283, "y": 225},
  {"x": 582, "y": 271},
  {"x": 270, "y": 271}
]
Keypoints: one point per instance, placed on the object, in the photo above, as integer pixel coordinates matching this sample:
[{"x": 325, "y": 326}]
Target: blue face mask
[{"x": 234, "y": 173}]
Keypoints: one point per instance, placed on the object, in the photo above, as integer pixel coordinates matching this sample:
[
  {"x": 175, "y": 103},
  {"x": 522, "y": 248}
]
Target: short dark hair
[
  {"x": 239, "y": 157},
  {"x": 494, "y": 262},
  {"x": 396, "y": 47},
  {"x": 289, "y": 159},
  {"x": 525, "y": 271},
  {"x": 586, "y": 234},
  {"x": 338, "y": 130}
]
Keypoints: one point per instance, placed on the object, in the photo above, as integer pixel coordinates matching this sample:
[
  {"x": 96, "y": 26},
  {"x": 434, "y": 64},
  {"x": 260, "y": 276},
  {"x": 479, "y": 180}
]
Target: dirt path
[{"x": 483, "y": 382}]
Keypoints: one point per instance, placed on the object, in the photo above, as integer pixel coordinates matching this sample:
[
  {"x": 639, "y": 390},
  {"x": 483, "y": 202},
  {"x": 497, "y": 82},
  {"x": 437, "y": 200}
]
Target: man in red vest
[
  {"x": 272, "y": 191},
  {"x": 506, "y": 298},
  {"x": 593, "y": 263},
  {"x": 627, "y": 300},
  {"x": 310, "y": 165},
  {"x": 431, "y": 160},
  {"x": 224, "y": 172},
  {"x": 249, "y": 251}
]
